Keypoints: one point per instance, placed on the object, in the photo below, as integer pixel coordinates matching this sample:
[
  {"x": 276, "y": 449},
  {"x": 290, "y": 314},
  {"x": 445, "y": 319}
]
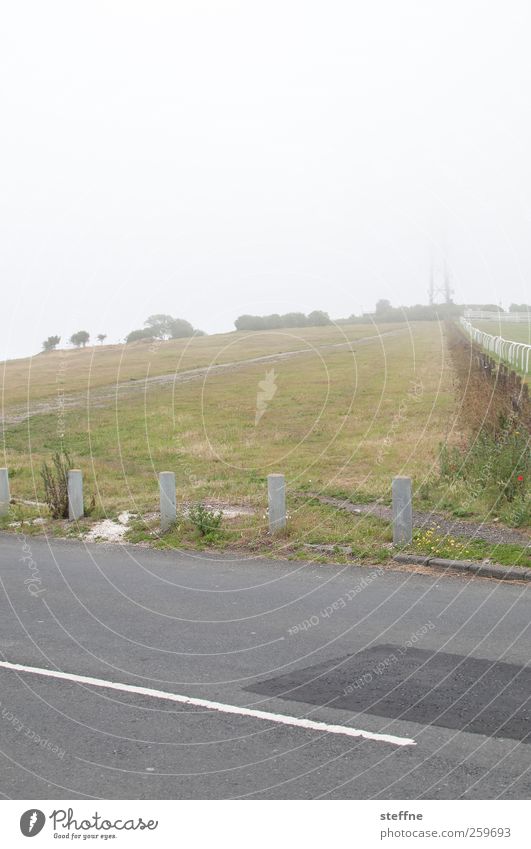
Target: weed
[
  {"x": 433, "y": 544},
  {"x": 205, "y": 520},
  {"x": 490, "y": 473},
  {"x": 55, "y": 480}
]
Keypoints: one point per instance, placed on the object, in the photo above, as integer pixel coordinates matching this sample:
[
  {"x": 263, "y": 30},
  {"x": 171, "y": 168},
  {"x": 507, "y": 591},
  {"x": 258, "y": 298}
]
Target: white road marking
[{"x": 282, "y": 719}]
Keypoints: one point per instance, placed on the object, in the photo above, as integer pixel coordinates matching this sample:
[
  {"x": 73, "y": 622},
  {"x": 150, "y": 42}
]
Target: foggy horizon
[{"x": 209, "y": 162}]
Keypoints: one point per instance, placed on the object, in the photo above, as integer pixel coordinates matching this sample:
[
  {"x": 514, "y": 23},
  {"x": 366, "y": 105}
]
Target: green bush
[
  {"x": 55, "y": 480},
  {"x": 207, "y": 521},
  {"x": 495, "y": 466}
]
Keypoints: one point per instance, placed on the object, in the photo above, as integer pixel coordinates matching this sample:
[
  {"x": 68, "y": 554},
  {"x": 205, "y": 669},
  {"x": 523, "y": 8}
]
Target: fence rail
[{"x": 514, "y": 353}]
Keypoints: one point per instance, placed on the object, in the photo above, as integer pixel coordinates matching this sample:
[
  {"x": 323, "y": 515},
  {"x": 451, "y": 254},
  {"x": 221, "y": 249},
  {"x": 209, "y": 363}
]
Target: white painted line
[{"x": 295, "y": 721}]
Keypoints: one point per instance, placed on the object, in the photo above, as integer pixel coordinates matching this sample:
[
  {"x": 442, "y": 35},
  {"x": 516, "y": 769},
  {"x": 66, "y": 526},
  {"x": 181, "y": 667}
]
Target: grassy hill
[
  {"x": 337, "y": 410},
  {"x": 32, "y": 379}
]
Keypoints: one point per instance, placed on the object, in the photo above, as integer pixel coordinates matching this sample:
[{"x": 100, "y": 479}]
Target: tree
[
  {"x": 294, "y": 319},
  {"x": 159, "y": 325},
  {"x": 318, "y": 318},
  {"x": 249, "y": 322},
  {"x": 383, "y": 305},
  {"x": 163, "y": 326},
  {"x": 51, "y": 343},
  {"x": 137, "y": 335},
  {"x": 273, "y": 321},
  {"x": 101, "y": 337},
  {"x": 80, "y": 338},
  {"x": 179, "y": 328}
]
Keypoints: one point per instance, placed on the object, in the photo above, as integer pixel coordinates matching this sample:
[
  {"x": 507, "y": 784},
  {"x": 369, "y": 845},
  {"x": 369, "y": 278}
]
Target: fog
[{"x": 208, "y": 159}]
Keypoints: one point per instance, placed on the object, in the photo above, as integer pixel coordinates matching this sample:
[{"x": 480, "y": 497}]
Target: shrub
[
  {"x": 207, "y": 522},
  {"x": 497, "y": 460},
  {"x": 137, "y": 335},
  {"x": 51, "y": 343},
  {"x": 80, "y": 338},
  {"x": 55, "y": 479}
]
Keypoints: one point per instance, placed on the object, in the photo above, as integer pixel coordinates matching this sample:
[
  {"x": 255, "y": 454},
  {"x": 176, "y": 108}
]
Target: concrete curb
[{"x": 489, "y": 570}]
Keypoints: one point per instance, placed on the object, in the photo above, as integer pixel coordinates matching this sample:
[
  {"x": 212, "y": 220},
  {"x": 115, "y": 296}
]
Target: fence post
[
  {"x": 4, "y": 492},
  {"x": 276, "y": 494},
  {"x": 402, "y": 511},
  {"x": 168, "y": 508},
  {"x": 76, "y": 509}
]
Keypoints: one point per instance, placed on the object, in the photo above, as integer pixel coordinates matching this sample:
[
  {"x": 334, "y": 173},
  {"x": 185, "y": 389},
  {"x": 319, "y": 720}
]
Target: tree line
[
  {"x": 317, "y": 318},
  {"x": 158, "y": 326},
  {"x": 384, "y": 312},
  {"x": 162, "y": 326},
  {"x": 79, "y": 339}
]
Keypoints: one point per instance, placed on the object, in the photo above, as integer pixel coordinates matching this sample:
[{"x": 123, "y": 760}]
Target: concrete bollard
[
  {"x": 4, "y": 492},
  {"x": 276, "y": 493},
  {"x": 402, "y": 511},
  {"x": 76, "y": 508},
  {"x": 168, "y": 509}
]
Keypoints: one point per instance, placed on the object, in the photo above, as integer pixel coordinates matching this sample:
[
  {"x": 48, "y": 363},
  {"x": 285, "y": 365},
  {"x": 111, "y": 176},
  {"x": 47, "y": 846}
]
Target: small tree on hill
[
  {"x": 159, "y": 325},
  {"x": 80, "y": 338},
  {"x": 101, "y": 337},
  {"x": 179, "y": 328},
  {"x": 137, "y": 335},
  {"x": 51, "y": 343}
]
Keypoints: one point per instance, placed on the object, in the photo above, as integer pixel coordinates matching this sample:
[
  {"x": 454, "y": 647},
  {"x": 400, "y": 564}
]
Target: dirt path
[
  {"x": 426, "y": 520},
  {"x": 103, "y": 395}
]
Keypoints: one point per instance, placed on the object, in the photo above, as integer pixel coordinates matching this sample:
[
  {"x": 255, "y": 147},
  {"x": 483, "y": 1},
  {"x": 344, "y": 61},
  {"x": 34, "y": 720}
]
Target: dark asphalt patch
[{"x": 449, "y": 690}]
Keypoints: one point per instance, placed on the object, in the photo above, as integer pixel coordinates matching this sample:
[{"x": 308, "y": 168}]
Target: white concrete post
[
  {"x": 276, "y": 492},
  {"x": 402, "y": 511},
  {"x": 168, "y": 509},
  {"x": 76, "y": 509},
  {"x": 4, "y": 492}
]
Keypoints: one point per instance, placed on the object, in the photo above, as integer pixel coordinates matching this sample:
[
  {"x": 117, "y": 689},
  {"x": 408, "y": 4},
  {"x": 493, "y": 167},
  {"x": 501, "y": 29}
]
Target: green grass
[
  {"x": 43, "y": 376},
  {"x": 506, "y": 329},
  {"x": 430, "y": 543},
  {"x": 338, "y": 422}
]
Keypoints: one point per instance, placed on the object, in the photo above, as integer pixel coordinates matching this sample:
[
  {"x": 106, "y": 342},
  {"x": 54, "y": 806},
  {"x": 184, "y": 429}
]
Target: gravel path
[{"x": 438, "y": 521}]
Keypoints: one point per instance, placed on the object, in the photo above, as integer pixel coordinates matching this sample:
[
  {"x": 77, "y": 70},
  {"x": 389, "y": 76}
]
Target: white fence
[
  {"x": 514, "y": 353},
  {"x": 484, "y": 315}
]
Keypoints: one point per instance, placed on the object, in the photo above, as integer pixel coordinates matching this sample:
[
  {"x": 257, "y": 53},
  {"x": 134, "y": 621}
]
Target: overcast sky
[{"x": 208, "y": 158}]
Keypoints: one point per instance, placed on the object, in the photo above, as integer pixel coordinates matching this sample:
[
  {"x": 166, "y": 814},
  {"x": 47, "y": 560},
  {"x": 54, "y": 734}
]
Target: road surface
[{"x": 190, "y": 675}]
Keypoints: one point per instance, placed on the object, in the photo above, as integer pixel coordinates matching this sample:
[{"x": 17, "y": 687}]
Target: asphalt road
[{"x": 434, "y": 663}]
